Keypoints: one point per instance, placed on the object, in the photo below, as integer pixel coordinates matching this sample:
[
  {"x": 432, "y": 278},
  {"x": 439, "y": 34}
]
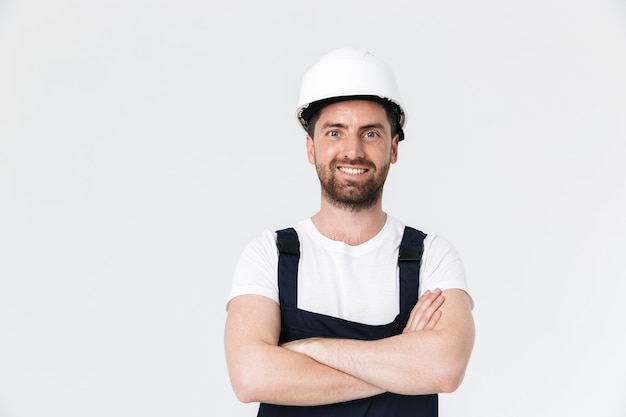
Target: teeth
[{"x": 352, "y": 171}]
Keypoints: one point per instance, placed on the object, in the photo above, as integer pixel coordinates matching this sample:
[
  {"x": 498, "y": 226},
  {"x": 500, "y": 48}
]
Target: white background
[{"x": 143, "y": 143}]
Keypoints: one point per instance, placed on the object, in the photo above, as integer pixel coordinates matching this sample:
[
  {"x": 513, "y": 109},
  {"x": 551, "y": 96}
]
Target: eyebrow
[
  {"x": 373, "y": 126},
  {"x": 328, "y": 125}
]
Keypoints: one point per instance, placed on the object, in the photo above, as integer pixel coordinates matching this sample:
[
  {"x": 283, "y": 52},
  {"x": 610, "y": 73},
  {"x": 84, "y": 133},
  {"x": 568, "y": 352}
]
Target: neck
[{"x": 351, "y": 227}]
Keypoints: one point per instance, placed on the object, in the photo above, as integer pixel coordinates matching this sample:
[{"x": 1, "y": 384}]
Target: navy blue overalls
[{"x": 299, "y": 324}]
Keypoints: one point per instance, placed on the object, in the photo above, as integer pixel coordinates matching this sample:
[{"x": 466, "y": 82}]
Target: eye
[
  {"x": 333, "y": 133},
  {"x": 371, "y": 135}
]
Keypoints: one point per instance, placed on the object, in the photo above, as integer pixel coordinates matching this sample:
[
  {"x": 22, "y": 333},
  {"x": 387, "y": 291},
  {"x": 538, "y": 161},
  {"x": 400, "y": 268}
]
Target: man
[{"x": 324, "y": 318}]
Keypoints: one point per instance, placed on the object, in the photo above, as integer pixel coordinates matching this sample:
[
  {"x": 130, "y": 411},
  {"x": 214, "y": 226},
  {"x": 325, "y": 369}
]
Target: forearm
[
  {"x": 419, "y": 362},
  {"x": 276, "y": 375},
  {"x": 262, "y": 371},
  {"x": 398, "y": 364}
]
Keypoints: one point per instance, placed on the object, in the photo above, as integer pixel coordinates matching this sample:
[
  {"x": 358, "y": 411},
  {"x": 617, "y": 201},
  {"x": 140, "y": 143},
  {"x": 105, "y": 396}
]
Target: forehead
[{"x": 362, "y": 110}]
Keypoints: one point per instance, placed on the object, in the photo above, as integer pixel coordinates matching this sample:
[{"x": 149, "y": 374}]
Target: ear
[
  {"x": 394, "y": 148},
  {"x": 310, "y": 150}
]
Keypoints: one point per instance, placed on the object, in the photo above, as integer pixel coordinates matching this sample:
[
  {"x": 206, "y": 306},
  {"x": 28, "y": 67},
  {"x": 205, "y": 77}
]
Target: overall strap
[
  {"x": 409, "y": 261},
  {"x": 288, "y": 257}
]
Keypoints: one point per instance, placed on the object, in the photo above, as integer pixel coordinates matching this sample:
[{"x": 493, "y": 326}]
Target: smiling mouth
[{"x": 352, "y": 171}]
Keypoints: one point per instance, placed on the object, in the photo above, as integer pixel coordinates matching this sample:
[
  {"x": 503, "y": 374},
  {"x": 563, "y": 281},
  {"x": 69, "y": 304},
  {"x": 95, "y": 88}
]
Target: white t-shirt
[{"x": 357, "y": 283}]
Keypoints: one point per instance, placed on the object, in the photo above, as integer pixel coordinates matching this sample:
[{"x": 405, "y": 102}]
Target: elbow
[
  {"x": 247, "y": 385},
  {"x": 244, "y": 397},
  {"x": 244, "y": 391},
  {"x": 450, "y": 378},
  {"x": 439, "y": 379},
  {"x": 244, "y": 386},
  {"x": 452, "y": 366},
  {"x": 450, "y": 383}
]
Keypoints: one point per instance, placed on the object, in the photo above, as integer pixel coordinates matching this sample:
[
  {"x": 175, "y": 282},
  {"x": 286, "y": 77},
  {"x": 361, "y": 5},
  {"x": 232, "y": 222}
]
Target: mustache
[{"x": 362, "y": 162}]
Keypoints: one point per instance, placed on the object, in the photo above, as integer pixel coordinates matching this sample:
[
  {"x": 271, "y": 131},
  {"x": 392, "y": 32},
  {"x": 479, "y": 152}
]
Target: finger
[
  {"x": 423, "y": 311},
  {"x": 415, "y": 312},
  {"x": 433, "y": 314},
  {"x": 424, "y": 318},
  {"x": 436, "y": 313},
  {"x": 433, "y": 320},
  {"x": 421, "y": 314}
]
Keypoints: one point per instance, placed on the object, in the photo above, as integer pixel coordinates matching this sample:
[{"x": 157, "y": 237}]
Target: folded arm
[
  {"x": 262, "y": 371},
  {"x": 412, "y": 363}
]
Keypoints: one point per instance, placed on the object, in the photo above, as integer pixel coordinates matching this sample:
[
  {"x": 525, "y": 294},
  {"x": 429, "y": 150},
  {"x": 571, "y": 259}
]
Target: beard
[{"x": 352, "y": 195}]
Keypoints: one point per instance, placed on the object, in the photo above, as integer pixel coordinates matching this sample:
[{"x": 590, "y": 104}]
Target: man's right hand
[{"x": 426, "y": 312}]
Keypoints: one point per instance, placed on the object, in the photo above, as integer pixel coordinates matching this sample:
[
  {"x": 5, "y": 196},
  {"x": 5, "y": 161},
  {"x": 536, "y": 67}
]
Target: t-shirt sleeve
[
  {"x": 256, "y": 269},
  {"x": 442, "y": 266}
]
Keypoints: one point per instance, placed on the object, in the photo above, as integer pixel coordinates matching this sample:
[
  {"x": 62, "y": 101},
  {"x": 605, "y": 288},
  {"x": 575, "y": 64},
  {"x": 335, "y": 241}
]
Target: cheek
[{"x": 320, "y": 154}]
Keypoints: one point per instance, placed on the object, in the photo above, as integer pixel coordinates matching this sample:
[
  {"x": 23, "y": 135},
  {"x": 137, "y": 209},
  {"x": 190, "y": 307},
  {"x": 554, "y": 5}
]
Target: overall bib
[{"x": 299, "y": 324}]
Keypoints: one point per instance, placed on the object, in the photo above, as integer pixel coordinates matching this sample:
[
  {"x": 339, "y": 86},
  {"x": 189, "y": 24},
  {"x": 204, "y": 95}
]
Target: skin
[{"x": 352, "y": 151}]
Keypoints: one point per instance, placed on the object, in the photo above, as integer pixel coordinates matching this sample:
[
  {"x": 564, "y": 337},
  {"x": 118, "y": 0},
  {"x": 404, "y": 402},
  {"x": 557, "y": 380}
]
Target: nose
[{"x": 353, "y": 146}]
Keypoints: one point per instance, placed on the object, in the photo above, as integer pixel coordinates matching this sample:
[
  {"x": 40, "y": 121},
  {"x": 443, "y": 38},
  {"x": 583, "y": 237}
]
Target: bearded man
[{"x": 349, "y": 312}]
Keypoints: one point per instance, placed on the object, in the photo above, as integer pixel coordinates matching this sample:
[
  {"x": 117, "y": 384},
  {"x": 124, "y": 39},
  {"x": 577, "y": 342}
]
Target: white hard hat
[{"x": 345, "y": 74}]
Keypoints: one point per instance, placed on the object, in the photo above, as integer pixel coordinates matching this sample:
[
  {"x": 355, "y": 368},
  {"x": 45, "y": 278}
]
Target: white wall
[{"x": 143, "y": 143}]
